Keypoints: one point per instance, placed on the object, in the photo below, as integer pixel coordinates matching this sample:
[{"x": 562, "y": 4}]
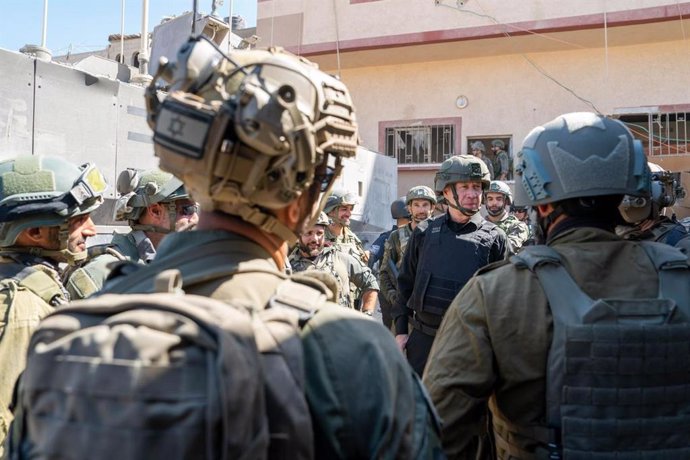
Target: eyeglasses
[{"x": 188, "y": 210}]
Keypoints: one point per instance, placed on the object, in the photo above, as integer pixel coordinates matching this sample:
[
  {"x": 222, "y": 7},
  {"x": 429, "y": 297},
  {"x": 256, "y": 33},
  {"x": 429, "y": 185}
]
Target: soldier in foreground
[
  {"x": 498, "y": 200},
  {"x": 645, "y": 214},
  {"x": 420, "y": 202},
  {"x": 566, "y": 375},
  {"x": 442, "y": 255},
  {"x": 44, "y": 221},
  {"x": 154, "y": 203},
  {"x": 311, "y": 253},
  {"x": 256, "y": 137}
]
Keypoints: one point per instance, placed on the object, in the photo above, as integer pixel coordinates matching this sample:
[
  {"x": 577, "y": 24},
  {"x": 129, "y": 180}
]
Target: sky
[{"x": 85, "y": 25}]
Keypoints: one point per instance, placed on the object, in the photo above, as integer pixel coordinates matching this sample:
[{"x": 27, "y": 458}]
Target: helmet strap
[{"x": 465, "y": 211}]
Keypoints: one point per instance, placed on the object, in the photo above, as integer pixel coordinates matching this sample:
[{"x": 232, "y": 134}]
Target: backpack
[
  {"x": 142, "y": 376},
  {"x": 618, "y": 370}
]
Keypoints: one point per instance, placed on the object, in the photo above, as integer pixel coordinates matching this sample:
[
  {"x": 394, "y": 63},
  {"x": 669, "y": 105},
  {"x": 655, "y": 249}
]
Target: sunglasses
[{"x": 188, "y": 210}]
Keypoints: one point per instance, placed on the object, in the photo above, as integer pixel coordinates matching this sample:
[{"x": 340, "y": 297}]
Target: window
[
  {"x": 662, "y": 132},
  {"x": 135, "y": 60},
  {"x": 420, "y": 141}
]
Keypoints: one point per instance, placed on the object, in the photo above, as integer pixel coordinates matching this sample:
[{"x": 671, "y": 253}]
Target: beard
[
  {"x": 494, "y": 210},
  {"x": 311, "y": 249}
]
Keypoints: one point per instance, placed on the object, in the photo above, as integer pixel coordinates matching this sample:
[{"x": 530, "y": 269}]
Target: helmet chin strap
[
  {"x": 465, "y": 211},
  {"x": 172, "y": 217},
  {"x": 63, "y": 254}
]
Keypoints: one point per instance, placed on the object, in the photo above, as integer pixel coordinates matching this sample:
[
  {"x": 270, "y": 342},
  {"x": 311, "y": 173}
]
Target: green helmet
[
  {"x": 340, "y": 198},
  {"x": 478, "y": 145},
  {"x": 250, "y": 132},
  {"x": 140, "y": 189},
  {"x": 498, "y": 143},
  {"x": 421, "y": 192},
  {"x": 46, "y": 191},
  {"x": 461, "y": 168},
  {"x": 578, "y": 155},
  {"x": 399, "y": 209}
]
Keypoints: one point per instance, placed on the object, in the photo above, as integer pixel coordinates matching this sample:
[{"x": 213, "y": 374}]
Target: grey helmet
[
  {"x": 578, "y": 155},
  {"x": 663, "y": 188},
  {"x": 46, "y": 191},
  {"x": 498, "y": 143},
  {"x": 421, "y": 192},
  {"x": 323, "y": 220},
  {"x": 501, "y": 187},
  {"x": 139, "y": 189},
  {"x": 399, "y": 209},
  {"x": 478, "y": 145},
  {"x": 461, "y": 168}
]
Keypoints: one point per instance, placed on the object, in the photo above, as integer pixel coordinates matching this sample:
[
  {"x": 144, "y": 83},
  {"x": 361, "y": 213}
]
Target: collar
[
  {"x": 474, "y": 223},
  {"x": 581, "y": 234}
]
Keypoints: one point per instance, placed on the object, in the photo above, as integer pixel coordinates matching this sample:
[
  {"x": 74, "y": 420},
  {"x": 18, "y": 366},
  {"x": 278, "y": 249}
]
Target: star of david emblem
[{"x": 176, "y": 127}]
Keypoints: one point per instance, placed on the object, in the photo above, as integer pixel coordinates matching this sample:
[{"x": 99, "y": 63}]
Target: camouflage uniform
[
  {"x": 518, "y": 232},
  {"x": 343, "y": 267},
  {"x": 393, "y": 255},
  {"x": 348, "y": 243}
]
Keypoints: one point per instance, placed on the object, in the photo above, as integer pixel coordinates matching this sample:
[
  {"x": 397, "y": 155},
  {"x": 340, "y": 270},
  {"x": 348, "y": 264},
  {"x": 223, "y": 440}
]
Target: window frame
[{"x": 456, "y": 122}]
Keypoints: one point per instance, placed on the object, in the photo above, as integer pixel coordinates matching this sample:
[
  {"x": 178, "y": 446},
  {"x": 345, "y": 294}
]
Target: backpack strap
[
  {"x": 35, "y": 279},
  {"x": 672, "y": 265},
  {"x": 301, "y": 293},
  {"x": 566, "y": 299},
  {"x": 206, "y": 262}
]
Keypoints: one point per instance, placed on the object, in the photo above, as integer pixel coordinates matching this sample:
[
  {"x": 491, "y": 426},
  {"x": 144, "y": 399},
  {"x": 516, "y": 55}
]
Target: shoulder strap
[
  {"x": 672, "y": 265},
  {"x": 562, "y": 292},
  {"x": 301, "y": 293},
  {"x": 200, "y": 264},
  {"x": 33, "y": 279}
]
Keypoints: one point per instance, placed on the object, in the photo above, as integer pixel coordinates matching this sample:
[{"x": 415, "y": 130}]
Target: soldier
[
  {"x": 312, "y": 254},
  {"x": 339, "y": 207},
  {"x": 442, "y": 255},
  {"x": 522, "y": 214},
  {"x": 257, "y": 138},
  {"x": 154, "y": 203},
  {"x": 479, "y": 150},
  {"x": 44, "y": 220},
  {"x": 564, "y": 375},
  {"x": 501, "y": 160},
  {"x": 420, "y": 202},
  {"x": 497, "y": 201},
  {"x": 401, "y": 214},
  {"x": 645, "y": 213}
]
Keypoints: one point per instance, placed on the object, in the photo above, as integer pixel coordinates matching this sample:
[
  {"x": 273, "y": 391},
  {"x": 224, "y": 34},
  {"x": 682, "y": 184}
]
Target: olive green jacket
[
  {"x": 393, "y": 253},
  {"x": 492, "y": 346}
]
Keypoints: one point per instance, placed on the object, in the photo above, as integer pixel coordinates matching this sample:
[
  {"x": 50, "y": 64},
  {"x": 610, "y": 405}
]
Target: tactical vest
[
  {"x": 329, "y": 262},
  {"x": 618, "y": 370},
  {"x": 669, "y": 233},
  {"x": 446, "y": 262},
  {"x": 404, "y": 234}
]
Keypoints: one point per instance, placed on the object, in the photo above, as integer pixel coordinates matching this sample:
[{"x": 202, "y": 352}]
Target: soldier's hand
[{"x": 401, "y": 340}]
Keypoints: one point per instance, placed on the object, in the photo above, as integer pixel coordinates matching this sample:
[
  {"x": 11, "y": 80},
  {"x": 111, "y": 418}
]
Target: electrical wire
[
  {"x": 524, "y": 56},
  {"x": 337, "y": 36}
]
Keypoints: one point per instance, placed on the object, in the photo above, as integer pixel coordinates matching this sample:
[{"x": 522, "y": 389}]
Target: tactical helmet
[
  {"x": 661, "y": 191},
  {"x": 498, "y": 143},
  {"x": 340, "y": 198},
  {"x": 461, "y": 168},
  {"x": 578, "y": 155},
  {"x": 478, "y": 145},
  {"x": 140, "y": 189},
  {"x": 46, "y": 191},
  {"x": 250, "y": 132},
  {"x": 498, "y": 186},
  {"x": 421, "y": 192},
  {"x": 399, "y": 209},
  {"x": 323, "y": 220}
]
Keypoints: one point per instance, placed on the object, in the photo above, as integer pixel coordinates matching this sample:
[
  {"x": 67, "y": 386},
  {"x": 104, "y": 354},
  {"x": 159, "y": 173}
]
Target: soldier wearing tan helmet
[
  {"x": 478, "y": 149},
  {"x": 312, "y": 253},
  {"x": 258, "y": 138},
  {"x": 442, "y": 255},
  {"x": 500, "y": 160}
]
